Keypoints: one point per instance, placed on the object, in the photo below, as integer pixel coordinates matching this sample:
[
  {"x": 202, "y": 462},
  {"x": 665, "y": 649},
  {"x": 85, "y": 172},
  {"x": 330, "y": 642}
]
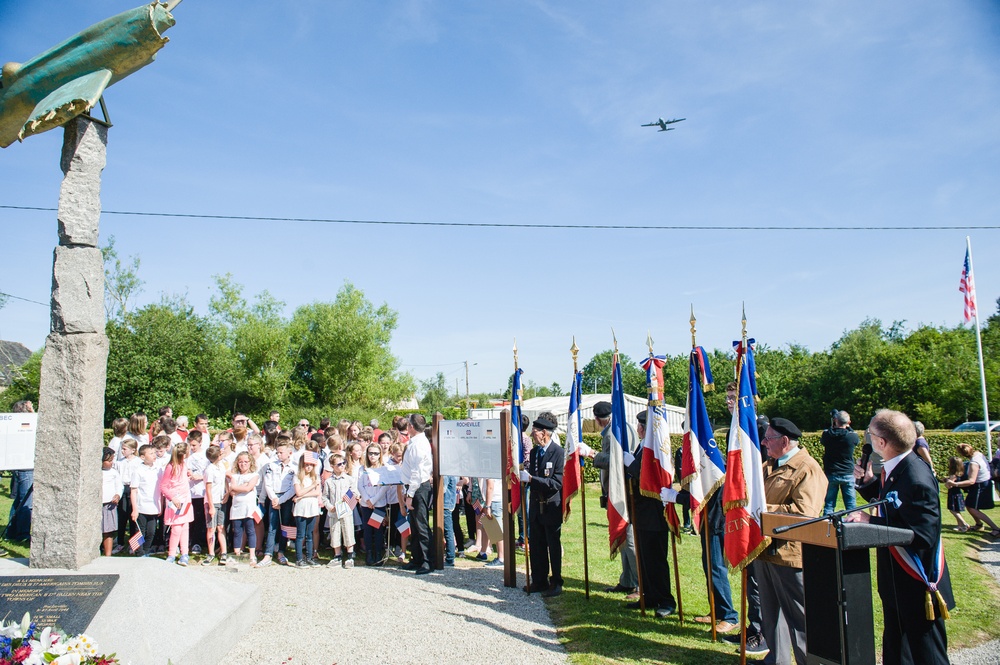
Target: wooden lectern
[{"x": 836, "y": 574}]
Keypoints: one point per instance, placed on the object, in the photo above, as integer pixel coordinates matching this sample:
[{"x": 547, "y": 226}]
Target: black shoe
[
  {"x": 535, "y": 588},
  {"x": 410, "y": 566},
  {"x": 618, "y": 588},
  {"x": 756, "y": 646},
  {"x": 553, "y": 592},
  {"x": 734, "y": 637},
  {"x": 424, "y": 570}
]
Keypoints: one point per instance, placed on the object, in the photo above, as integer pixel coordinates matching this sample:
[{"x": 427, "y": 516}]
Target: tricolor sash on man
[
  {"x": 618, "y": 518},
  {"x": 911, "y": 564},
  {"x": 703, "y": 466},
  {"x": 743, "y": 495},
  {"x": 513, "y": 459},
  {"x": 657, "y": 462},
  {"x": 573, "y": 473}
]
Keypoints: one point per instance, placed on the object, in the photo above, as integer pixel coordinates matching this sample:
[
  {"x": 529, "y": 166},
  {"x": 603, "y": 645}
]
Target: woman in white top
[{"x": 980, "y": 494}]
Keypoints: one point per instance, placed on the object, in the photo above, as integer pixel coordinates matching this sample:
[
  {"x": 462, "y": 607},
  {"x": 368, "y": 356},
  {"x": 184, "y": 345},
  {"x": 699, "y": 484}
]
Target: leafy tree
[
  {"x": 121, "y": 282},
  {"x": 343, "y": 352},
  {"x": 435, "y": 394},
  {"x": 599, "y": 370},
  {"x": 24, "y": 385}
]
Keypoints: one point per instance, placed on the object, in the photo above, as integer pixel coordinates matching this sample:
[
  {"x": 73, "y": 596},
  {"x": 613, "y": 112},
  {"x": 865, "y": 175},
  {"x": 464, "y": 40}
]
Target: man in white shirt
[{"x": 416, "y": 470}]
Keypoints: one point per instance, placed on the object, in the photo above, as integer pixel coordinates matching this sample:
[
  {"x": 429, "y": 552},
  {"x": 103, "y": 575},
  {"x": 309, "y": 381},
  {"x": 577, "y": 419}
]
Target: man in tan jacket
[{"x": 793, "y": 483}]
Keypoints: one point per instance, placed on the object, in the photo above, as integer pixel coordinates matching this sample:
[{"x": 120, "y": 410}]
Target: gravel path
[
  {"x": 384, "y": 615},
  {"x": 987, "y": 653}
]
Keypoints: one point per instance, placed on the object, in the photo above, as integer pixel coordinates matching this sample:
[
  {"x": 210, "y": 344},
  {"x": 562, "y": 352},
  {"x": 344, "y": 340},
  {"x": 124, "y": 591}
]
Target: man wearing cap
[
  {"x": 652, "y": 540},
  {"x": 544, "y": 475},
  {"x": 628, "y": 581},
  {"x": 794, "y": 483}
]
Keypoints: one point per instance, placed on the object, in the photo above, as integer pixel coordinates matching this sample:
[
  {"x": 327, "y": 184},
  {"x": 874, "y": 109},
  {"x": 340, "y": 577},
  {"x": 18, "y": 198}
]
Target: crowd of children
[{"x": 268, "y": 491}]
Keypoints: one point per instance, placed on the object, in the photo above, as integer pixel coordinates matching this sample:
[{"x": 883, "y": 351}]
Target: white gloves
[
  {"x": 525, "y": 476},
  {"x": 628, "y": 458},
  {"x": 668, "y": 495},
  {"x": 586, "y": 451}
]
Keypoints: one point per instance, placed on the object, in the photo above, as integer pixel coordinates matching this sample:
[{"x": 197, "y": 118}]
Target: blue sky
[{"x": 798, "y": 114}]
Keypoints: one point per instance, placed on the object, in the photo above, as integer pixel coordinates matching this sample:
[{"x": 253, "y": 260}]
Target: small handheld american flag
[
  {"x": 477, "y": 506},
  {"x": 136, "y": 541},
  {"x": 289, "y": 532},
  {"x": 351, "y": 499}
]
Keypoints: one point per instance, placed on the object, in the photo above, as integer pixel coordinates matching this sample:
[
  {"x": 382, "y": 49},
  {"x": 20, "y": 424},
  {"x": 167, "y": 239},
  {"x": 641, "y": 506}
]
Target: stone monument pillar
[{"x": 66, "y": 518}]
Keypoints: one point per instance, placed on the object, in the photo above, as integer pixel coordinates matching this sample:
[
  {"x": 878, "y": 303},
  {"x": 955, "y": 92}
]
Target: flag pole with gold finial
[
  {"x": 523, "y": 508},
  {"x": 583, "y": 488}
]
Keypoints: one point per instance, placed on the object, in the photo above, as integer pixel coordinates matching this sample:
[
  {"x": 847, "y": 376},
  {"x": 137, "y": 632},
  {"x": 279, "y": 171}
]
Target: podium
[{"x": 836, "y": 576}]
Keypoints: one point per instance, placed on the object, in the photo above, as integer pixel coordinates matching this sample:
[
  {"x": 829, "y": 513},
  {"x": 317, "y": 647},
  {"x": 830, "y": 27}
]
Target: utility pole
[{"x": 466, "y": 388}]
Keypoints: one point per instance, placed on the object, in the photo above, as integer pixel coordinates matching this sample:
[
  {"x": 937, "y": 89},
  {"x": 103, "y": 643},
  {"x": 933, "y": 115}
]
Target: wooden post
[
  {"x": 635, "y": 539},
  {"x": 677, "y": 579},
  {"x": 438, "y": 486},
  {"x": 707, "y": 543},
  {"x": 583, "y": 516}
]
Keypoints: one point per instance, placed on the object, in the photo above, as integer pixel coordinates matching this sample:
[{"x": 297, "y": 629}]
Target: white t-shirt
[
  {"x": 111, "y": 484},
  {"x": 308, "y": 506},
  {"x": 126, "y": 468},
  {"x": 115, "y": 444},
  {"x": 216, "y": 476},
  {"x": 197, "y": 463},
  {"x": 146, "y": 484},
  {"x": 243, "y": 504}
]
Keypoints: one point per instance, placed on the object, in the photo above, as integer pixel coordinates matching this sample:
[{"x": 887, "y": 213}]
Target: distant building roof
[{"x": 12, "y": 356}]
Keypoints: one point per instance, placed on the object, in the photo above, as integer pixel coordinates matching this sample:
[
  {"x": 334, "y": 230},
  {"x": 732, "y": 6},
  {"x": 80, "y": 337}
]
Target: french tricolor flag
[
  {"x": 703, "y": 465},
  {"x": 572, "y": 473},
  {"x": 257, "y": 514},
  {"x": 376, "y": 519},
  {"x": 657, "y": 463},
  {"x": 618, "y": 519},
  {"x": 403, "y": 526},
  {"x": 743, "y": 495}
]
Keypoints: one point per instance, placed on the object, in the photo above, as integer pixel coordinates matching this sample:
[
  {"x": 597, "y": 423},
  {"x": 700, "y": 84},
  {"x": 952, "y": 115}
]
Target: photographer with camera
[{"x": 839, "y": 443}]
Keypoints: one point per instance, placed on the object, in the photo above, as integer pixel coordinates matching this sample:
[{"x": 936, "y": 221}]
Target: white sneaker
[
  {"x": 348, "y": 563},
  {"x": 266, "y": 561},
  {"x": 334, "y": 563}
]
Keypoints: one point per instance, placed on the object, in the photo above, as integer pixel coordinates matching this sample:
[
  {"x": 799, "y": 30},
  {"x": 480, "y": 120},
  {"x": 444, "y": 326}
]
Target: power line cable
[
  {"x": 502, "y": 225},
  {"x": 9, "y": 295}
]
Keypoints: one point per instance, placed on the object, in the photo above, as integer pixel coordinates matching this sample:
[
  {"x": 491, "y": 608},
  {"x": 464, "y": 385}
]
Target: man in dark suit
[
  {"x": 652, "y": 540},
  {"x": 544, "y": 474},
  {"x": 914, "y": 504}
]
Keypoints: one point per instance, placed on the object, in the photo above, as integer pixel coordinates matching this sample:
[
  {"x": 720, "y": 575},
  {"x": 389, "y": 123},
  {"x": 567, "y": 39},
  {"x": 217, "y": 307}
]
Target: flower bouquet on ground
[{"x": 22, "y": 643}]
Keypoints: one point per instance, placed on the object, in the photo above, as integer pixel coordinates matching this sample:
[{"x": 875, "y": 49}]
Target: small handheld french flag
[
  {"x": 376, "y": 519},
  {"x": 136, "y": 541},
  {"x": 257, "y": 514},
  {"x": 403, "y": 526}
]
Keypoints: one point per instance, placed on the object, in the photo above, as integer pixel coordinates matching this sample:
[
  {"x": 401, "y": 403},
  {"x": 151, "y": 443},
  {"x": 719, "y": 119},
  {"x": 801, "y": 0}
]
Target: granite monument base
[{"x": 159, "y": 612}]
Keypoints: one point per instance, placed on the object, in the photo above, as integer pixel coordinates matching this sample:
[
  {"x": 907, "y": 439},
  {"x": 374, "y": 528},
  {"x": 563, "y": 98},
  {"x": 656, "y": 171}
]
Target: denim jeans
[
  {"x": 450, "y": 482},
  {"x": 846, "y": 484},
  {"x": 274, "y": 540},
  {"x": 20, "y": 508},
  {"x": 304, "y": 537}
]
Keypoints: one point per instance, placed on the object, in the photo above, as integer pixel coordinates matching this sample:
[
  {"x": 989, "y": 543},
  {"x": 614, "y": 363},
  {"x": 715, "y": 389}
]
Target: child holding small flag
[
  {"x": 373, "y": 500},
  {"x": 340, "y": 496},
  {"x": 307, "y": 492},
  {"x": 145, "y": 500},
  {"x": 178, "y": 515},
  {"x": 243, "y": 488},
  {"x": 111, "y": 494}
]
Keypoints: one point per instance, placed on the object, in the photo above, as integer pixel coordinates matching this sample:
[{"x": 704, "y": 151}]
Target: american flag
[
  {"x": 351, "y": 499},
  {"x": 477, "y": 506},
  {"x": 968, "y": 287},
  {"x": 376, "y": 519},
  {"x": 311, "y": 457},
  {"x": 136, "y": 541},
  {"x": 289, "y": 532}
]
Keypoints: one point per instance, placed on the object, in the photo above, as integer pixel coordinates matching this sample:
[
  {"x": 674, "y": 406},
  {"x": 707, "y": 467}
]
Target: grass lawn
[{"x": 601, "y": 630}]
